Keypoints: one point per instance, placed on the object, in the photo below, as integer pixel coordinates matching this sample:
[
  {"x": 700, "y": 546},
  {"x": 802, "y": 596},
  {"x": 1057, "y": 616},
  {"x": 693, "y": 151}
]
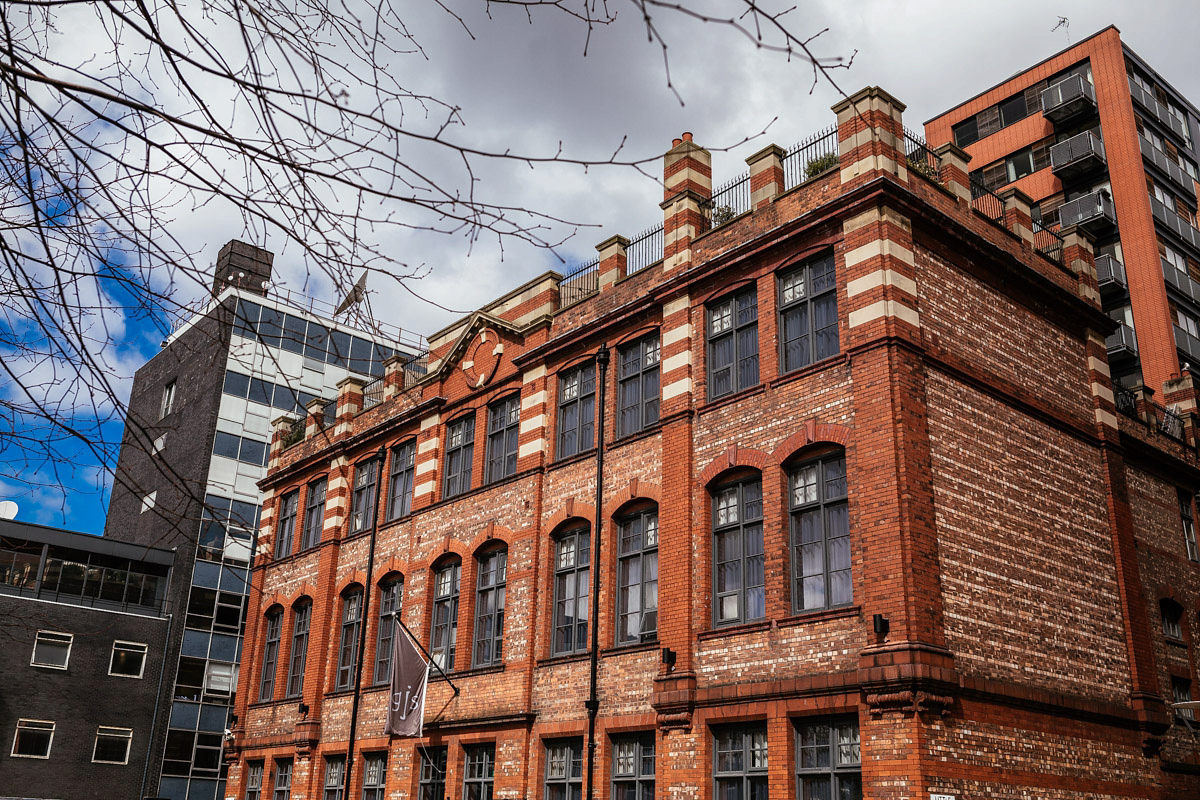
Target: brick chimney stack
[{"x": 687, "y": 185}]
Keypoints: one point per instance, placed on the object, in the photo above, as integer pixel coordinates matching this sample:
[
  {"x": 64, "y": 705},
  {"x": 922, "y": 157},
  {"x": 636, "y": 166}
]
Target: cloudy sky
[{"x": 530, "y": 87}]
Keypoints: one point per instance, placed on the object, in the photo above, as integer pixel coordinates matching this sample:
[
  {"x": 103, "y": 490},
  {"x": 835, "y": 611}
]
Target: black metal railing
[
  {"x": 580, "y": 283},
  {"x": 1066, "y": 95},
  {"x": 1126, "y": 401},
  {"x": 415, "y": 369},
  {"x": 1091, "y": 209},
  {"x": 644, "y": 249},
  {"x": 810, "y": 157},
  {"x": 1168, "y": 421},
  {"x": 329, "y": 413},
  {"x": 985, "y": 201},
  {"x": 1047, "y": 242},
  {"x": 373, "y": 393},
  {"x": 920, "y": 158},
  {"x": 1082, "y": 146},
  {"x": 728, "y": 201}
]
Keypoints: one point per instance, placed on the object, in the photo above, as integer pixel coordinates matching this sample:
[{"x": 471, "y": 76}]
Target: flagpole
[{"x": 429, "y": 658}]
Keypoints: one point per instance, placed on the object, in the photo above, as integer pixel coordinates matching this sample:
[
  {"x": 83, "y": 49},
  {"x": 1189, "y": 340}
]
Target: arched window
[
  {"x": 739, "y": 590},
  {"x": 820, "y": 534},
  {"x": 348, "y": 646},
  {"x": 637, "y": 577},
  {"x": 489, "y": 607},
  {"x": 301, "y": 619},
  {"x": 274, "y": 623},
  {"x": 443, "y": 637},
  {"x": 572, "y": 558},
  {"x": 391, "y": 598}
]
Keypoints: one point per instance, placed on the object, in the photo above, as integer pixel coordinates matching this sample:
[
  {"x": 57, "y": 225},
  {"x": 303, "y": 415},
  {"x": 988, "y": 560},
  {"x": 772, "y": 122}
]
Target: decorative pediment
[{"x": 479, "y": 349}]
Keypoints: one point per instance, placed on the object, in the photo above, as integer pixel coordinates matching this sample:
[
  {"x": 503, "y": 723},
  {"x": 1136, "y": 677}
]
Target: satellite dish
[
  {"x": 8, "y": 509},
  {"x": 356, "y": 294}
]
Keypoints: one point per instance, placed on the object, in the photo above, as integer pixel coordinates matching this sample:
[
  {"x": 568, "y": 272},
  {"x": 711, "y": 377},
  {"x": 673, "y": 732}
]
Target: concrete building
[
  {"x": 824, "y": 493},
  {"x": 84, "y": 627},
  {"x": 194, "y": 449}
]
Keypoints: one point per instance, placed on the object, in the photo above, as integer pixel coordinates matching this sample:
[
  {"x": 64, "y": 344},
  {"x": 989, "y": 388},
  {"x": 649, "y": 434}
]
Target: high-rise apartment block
[
  {"x": 195, "y": 447},
  {"x": 1094, "y": 137}
]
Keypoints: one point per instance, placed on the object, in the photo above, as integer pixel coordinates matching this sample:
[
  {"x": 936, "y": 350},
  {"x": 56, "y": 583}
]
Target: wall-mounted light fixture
[{"x": 668, "y": 658}]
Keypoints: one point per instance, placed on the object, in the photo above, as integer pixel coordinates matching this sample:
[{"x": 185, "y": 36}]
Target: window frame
[
  {"x": 49, "y": 640},
  {"x": 504, "y": 423},
  {"x": 572, "y": 776},
  {"x": 491, "y": 582},
  {"x": 363, "y": 496},
  {"x": 33, "y": 725},
  {"x": 314, "y": 513},
  {"x": 812, "y": 270},
  {"x": 335, "y": 771},
  {"x": 167, "y": 405},
  {"x": 374, "y": 787},
  {"x": 404, "y": 457},
  {"x": 479, "y": 771},
  {"x": 352, "y": 603},
  {"x": 391, "y": 601},
  {"x": 639, "y": 779},
  {"x": 576, "y": 411},
  {"x": 579, "y": 573},
  {"x": 431, "y": 777},
  {"x": 113, "y": 733},
  {"x": 837, "y": 770},
  {"x": 128, "y": 647},
  {"x": 447, "y": 586},
  {"x": 826, "y": 507},
  {"x": 748, "y": 775},
  {"x": 1181, "y": 692},
  {"x": 642, "y": 518},
  {"x": 270, "y": 659},
  {"x": 281, "y": 786},
  {"x": 1187, "y": 515},
  {"x": 743, "y": 526},
  {"x": 639, "y": 373},
  {"x": 298, "y": 658},
  {"x": 733, "y": 331},
  {"x": 1172, "y": 619},
  {"x": 254, "y": 777},
  {"x": 285, "y": 528},
  {"x": 460, "y": 455}
]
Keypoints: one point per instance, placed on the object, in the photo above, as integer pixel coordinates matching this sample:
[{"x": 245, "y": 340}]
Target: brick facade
[{"x": 996, "y": 634}]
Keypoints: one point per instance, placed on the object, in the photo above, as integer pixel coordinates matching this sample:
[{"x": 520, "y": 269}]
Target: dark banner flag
[{"x": 410, "y": 674}]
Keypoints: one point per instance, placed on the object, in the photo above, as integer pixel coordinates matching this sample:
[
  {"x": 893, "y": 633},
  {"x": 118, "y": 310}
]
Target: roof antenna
[{"x": 1065, "y": 24}]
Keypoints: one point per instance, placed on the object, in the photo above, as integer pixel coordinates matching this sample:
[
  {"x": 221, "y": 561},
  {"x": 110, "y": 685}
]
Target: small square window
[
  {"x": 51, "y": 649},
  {"x": 112, "y": 745},
  {"x": 33, "y": 738},
  {"x": 1181, "y": 692},
  {"x": 128, "y": 659}
]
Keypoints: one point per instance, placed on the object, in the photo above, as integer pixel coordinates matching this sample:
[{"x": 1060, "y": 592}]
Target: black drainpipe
[{"x": 593, "y": 702}]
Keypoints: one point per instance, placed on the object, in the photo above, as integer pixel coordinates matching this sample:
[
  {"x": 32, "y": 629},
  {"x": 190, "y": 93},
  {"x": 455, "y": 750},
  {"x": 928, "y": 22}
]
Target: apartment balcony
[
  {"x": 1160, "y": 112},
  {"x": 1180, "y": 180},
  {"x": 1080, "y": 155},
  {"x": 1092, "y": 212},
  {"x": 1068, "y": 100},
  {"x": 1110, "y": 274},
  {"x": 1188, "y": 344},
  {"x": 1180, "y": 282},
  {"x": 1122, "y": 344},
  {"x": 1177, "y": 224}
]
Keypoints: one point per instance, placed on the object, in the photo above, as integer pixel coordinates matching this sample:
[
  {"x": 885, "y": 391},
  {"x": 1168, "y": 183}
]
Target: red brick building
[{"x": 865, "y": 523}]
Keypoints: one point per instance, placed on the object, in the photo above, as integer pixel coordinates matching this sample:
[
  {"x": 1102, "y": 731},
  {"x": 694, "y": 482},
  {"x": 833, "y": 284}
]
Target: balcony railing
[
  {"x": 1126, "y": 401},
  {"x": 645, "y": 249},
  {"x": 1168, "y": 421},
  {"x": 372, "y": 394},
  {"x": 1188, "y": 344},
  {"x": 1178, "y": 225},
  {"x": 1180, "y": 180},
  {"x": 579, "y": 283},
  {"x": 329, "y": 413},
  {"x": 1122, "y": 342},
  {"x": 920, "y": 158},
  {"x": 1184, "y": 283},
  {"x": 294, "y": 434},
  {"x": 1160, "y": 112},
  {"x": 1077, "y": 156},
  {"x": 1068, "y": 99},
  {"x": 985, "y": 201},
  {"x": 810, "y": 157},
  {"x": 1110, "y": 274},
  {"x": 728, "y": 201},
  {"x": 1092, "y": 212},
  {"x": 1047, "y": 242}
]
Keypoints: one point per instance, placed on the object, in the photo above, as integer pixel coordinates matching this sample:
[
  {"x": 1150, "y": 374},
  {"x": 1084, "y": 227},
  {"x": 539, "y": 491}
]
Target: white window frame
[
  {"x": 128, "y": 646},
  {"x": 21, "y": 723},
  {"x": 33, "y": 662},
  {"x": 168, "y": 400},
  {"x": 113, "y": 733}
]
